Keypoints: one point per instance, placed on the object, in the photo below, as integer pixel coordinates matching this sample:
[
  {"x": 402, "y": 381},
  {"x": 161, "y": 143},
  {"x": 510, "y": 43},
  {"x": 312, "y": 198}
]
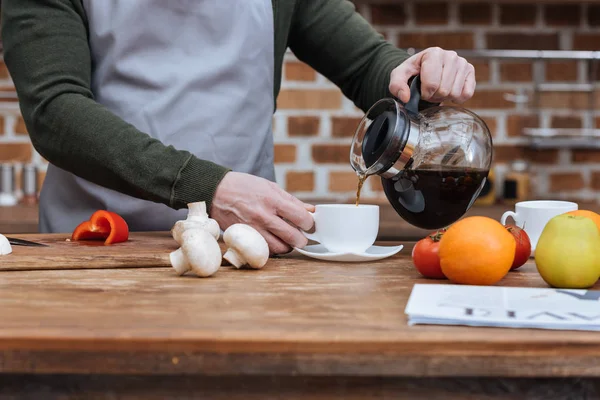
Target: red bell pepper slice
[{"x": 105, "y": 225}]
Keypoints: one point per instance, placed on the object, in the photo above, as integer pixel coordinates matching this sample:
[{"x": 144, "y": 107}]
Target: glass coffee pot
[{"x": 432, "y": 162}]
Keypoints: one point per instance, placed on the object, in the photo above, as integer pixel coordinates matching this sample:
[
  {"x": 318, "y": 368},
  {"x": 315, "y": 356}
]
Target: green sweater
[{"x": 46, "y": 51}]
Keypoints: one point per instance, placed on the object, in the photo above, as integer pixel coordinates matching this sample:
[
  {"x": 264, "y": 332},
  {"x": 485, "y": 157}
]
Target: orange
[
  {"x": 589, "y": 214},
  {"x": 476, "y": 251}
]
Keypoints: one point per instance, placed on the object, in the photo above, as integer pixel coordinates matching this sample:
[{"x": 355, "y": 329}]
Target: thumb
[{"x": 400, "y": 76}]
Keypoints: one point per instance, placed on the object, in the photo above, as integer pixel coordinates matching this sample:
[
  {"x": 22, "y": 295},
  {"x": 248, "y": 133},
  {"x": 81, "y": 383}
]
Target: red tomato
[
  {"x": 425, "y": 256},
  {"x": 523, "y": 248},
  {"x": 102, "y": 225}
]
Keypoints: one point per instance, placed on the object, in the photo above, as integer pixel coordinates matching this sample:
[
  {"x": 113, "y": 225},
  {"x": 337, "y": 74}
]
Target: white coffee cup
[
  {"x": 532, "y": 216},
  {"x": 345, "y": 228}
]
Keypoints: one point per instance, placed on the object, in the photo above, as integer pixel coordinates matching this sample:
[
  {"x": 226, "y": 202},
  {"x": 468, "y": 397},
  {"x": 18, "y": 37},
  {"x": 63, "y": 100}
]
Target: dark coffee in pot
[{"x": 431, "y": 198}]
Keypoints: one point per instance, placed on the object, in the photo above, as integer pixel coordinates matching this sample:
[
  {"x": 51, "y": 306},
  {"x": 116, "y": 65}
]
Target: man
[{"x": 143, "y": 106}]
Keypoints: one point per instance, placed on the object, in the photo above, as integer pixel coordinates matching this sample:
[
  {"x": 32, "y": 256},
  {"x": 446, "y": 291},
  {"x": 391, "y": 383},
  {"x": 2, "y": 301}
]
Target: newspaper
[{"x": 511, "y": 307}]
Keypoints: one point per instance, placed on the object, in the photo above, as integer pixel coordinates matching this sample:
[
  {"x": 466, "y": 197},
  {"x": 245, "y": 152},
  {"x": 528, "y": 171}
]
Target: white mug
[
  {"x": 345, "y": 228},
  {"x": 532, "y": 216}
]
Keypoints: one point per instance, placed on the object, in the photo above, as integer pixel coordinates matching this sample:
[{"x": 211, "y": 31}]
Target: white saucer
[{"x": 373, "y": 253}]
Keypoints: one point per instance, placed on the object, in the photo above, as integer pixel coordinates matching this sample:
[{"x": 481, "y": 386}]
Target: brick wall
[
  {"x": 321, "y": 134},
  {"x": 314, "y": 122}
]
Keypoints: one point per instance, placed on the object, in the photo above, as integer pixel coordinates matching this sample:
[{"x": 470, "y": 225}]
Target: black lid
[{"x": 386, "y": 125}]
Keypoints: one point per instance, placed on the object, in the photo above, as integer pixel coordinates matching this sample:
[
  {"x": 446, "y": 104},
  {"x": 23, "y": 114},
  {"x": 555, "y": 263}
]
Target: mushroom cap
[
  {"x": 5, "y": 247},
  {"x": 248, "y": 243},
  {"x": 209, "y": 225},
  {"x": 202, "y": 251}
]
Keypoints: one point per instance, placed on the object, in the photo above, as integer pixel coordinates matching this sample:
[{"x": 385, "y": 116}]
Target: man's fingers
[
  {"x": 285, "y": 232},
  {"x": 276, "y": 245},
  {"x": 309, "y": 207},
  {"x": 450, "y": 70},
  {"x": 400, "y": 76},
  {"x": 469, "y": 86},
  {"x": 293, "y": 210},
  {"x": 456, "y": 94},
  {"x": 431, "y": 72}
]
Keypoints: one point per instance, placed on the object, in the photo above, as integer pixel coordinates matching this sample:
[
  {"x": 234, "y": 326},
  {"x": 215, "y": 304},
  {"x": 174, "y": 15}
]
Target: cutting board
[{"x": 142, "y": 250}]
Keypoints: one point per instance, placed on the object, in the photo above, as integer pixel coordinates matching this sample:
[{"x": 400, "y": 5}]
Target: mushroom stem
[
  {"x": 179, "y": 262},
  {"x": 197, "y": 211},
  {"x": 234, "y": 258}
]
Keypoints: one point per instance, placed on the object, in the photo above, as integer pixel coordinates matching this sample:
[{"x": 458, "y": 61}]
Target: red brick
[
  {"x": 586, "y": 41},
  {"x": 586, "y": 155},
  {"x": 566, "y": 182},
  {"x": 18, "y": 179},
  {"x": 516, "y": 72},
  {"x": 16, "y": 152},
  {"x": 343, "y": 181},
  {"x": 595, "y": 180},
  {"x": 515, "y": 123},
  {"x": 1, "y": 125},
  {"x": 299, "y": 71},
  {"x": 446, "y": 40},
  {"x": 482, "y": 70},
  {"x": 309, "y": 99},
  {"x": 522, "y": 41},
  {"x": 492, "y": 125},
  {"x": 331, "y": 153},
  {"x": 11, "y": 99},
  {"x": 375, "y": 183},
  {"x": 562, "y": 14},
  {"x": 431, "y": 13},
  {"x": 488, "y": 99},
  {"x": 303, "y": 126},
  {"x": 593, "y": 72},
  {"x": 4, "y": 74},
  {"x": 20, "y": 128},
  {"x": 388, "y": 14},
  {"x": 300, "y": 181},
  {"x": 344, "y": 126},
  {"x": 564, "y": 100},
  {"x": 541, "y": 156},
  {"x": 507, "y": 153},
  {"x": 566, "y": 122},
  {"x": 518, "y": 14},
  {"x": 593, "y": 14},
  {"x": 561, "y": 71},
  {"x": 285, "y": 153},
  {"x": 475, "y": 13},
  {"x": 597, "y": 122}
]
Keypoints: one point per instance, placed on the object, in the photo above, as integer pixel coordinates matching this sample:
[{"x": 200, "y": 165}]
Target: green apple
[{"x": 568, "y": 252}]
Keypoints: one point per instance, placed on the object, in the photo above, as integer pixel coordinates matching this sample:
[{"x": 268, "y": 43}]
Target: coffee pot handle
[{"x": 415, "y": 95}]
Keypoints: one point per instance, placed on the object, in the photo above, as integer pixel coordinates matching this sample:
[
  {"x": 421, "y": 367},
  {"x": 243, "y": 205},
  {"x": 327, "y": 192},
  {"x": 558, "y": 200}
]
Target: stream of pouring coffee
[{"x": 361, "y": 180}]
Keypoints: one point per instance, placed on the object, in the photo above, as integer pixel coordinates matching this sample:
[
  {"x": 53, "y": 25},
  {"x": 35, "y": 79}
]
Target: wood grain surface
[
  {"x": 297, "y": 316},
  {"x": 142, "y": 250},
  {"x": 112, "y": 387}
]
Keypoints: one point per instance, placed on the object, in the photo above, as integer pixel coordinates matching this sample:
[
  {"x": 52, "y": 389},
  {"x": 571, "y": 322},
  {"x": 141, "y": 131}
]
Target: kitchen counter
[
  {"x": 295, "y": 328},
  {"x": 24, "y": 219}
]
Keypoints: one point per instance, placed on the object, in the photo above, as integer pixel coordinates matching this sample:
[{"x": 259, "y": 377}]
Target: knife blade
[{"x": 22, "y": 242}]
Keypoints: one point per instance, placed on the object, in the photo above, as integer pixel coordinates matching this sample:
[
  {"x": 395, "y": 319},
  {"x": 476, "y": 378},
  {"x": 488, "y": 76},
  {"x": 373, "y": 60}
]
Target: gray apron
[{"x": 195, "y": 74}]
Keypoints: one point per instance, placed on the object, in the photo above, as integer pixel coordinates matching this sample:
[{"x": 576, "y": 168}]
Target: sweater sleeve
[
  {"x": 331, "y": 37},
  {"x": 47, "y": 54}
]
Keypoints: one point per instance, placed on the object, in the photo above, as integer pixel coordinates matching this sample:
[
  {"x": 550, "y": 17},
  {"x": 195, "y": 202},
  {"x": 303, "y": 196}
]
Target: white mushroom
[
  {"x": 5, "y": 247},
  {"x": 199, "y": 252},
  {"x": 245, "y": 246},
  {"x": 196, "y": 218}
]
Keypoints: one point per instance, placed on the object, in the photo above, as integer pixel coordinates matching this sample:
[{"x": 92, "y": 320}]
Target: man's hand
[
  {"x": 255, "y": 201},
  {"x": 444, "y": 76}
]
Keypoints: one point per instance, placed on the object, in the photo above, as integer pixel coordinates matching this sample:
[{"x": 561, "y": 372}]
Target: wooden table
[{"x": 297, "y": 329}]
